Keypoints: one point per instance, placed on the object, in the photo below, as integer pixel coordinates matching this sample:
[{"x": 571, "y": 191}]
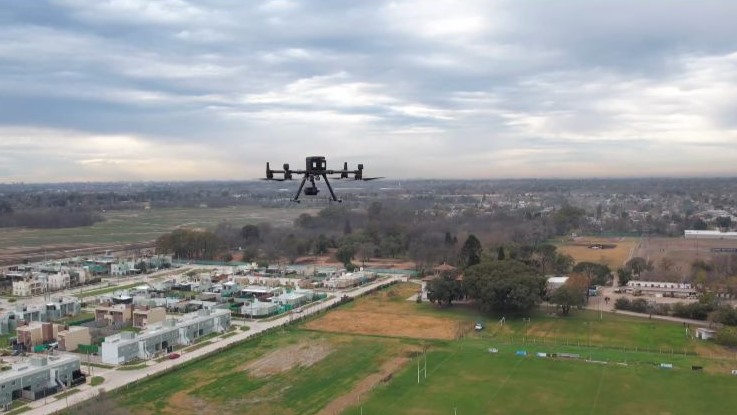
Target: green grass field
[
  {"x": 465, "y": 377},
  {"x": 222, "y": 384},
  {"x": 145, "y": 225}
]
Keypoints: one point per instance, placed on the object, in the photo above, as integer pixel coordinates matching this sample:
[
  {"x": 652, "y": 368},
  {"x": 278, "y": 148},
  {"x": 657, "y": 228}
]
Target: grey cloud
[{"x": 519, "y": 83}]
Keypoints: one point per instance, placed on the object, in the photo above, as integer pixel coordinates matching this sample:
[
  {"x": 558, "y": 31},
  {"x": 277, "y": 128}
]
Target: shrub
[
  {"x": 622, "y": 304},
  {"x": 695, "y": 311},
  {"x": 726, "y": 315},
  {"x": 727, "y": 336},
  {"x": 639, "y": 306}
]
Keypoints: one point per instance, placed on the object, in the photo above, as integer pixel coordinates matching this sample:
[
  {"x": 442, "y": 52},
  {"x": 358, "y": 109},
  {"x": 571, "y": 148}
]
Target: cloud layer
[{"x": 143, "y": 90}]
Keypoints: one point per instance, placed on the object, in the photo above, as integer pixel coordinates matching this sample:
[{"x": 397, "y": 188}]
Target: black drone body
[{"x": 316, "y": 168}]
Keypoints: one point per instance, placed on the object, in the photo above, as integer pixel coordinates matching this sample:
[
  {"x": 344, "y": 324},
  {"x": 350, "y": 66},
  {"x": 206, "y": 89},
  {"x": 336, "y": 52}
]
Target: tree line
[
  {"x": 47, "y": 218},
  {"x": 507, "y": 279}
]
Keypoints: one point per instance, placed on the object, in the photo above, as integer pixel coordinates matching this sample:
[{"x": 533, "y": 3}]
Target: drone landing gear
[
  {"x": 335, "y": 199},
  {"x": 312, "y": 190}
]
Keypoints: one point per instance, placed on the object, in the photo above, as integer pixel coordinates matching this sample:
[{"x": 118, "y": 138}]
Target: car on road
[{"x": 173, "y": 356}]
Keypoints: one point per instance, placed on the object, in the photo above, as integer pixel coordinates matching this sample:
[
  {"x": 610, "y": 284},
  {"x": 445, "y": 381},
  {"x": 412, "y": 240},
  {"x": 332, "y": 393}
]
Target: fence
[{"x": 583, "y": 343}]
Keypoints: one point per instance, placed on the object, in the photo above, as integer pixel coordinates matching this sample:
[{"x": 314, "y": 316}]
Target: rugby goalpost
[{"x": 422, "y": 364}]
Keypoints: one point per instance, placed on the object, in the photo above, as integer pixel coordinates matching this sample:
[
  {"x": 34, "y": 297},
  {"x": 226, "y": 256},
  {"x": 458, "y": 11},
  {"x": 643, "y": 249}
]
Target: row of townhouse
[
  {"x": 54, "y": 310},
  {"x": 68, "y": 338},
  {"x": 39, "y": 377},
  {"x": 37, "y": 283},
  {"x": 120, "y": 267},
  {"x": 128, "y": 314},
  {"x": 162, "y": 337}
]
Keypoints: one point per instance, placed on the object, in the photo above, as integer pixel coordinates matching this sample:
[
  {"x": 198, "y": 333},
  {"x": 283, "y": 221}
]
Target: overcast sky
[{"x": 94, "y": 90}]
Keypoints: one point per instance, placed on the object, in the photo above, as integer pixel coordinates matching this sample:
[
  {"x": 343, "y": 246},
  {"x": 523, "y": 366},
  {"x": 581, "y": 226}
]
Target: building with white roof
[
  {"x": 39, "y": 376},
  {"x": 692, "y": 234},
  {"x": 161, "y": 337}
]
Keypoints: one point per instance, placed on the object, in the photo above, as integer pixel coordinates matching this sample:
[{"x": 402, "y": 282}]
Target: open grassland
[
  {"x": 580, "y": 249},
  {"x": 682, "y": 252},
  {"x": 136, "y": 226},
  {"x": 464, "y": 377},
  {"x": 388, "y": 313},
  {"x": 312, "y": 370}
]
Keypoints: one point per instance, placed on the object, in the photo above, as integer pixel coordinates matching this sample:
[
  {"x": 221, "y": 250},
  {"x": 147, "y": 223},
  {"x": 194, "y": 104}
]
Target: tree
[
  {"x": 598, "y": 274},
  {"x": 699, "y": 225},
  {"x": 724, "y": 314},
  {"x": 450, "y": 240},
  {"x": 142, "y": 266},
  {"x": 444, "y": 289},
  {"x": 563, "y": 263},
  {"x": 470, "y": 252},
  {"x": 567, "y": 218},
  {"x": 500, "y": 254},
  {"x": 345, "y": 253},
  {"x": 624, "y": 275},
  {"x": 507, "y": 285},
  {"x": 321, "y": 244},
  {"x": 638, "y": 265},
  {"x": 724, "y": 222},
  {"x": 374, "y": 210},
  {"x": 568, "y": 296},
  {"x": 366, "y": 250},
  {"x": 250, "y": 234}
]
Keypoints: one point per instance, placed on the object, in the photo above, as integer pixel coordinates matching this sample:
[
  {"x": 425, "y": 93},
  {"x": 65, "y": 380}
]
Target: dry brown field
[
  {"x": 388, "y": 313},
  {"x": 681, "y": 252},
  {"x": 580, "y": 249}
]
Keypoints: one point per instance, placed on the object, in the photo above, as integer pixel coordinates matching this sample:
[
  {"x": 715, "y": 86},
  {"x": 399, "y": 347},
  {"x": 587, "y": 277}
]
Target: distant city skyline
[{"x": 194, "y": 90}]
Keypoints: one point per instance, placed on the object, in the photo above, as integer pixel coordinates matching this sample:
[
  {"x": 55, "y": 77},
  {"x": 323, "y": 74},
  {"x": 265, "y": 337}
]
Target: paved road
[
  {"x": 115, "y": 379},
  {"x": 598, "y": 304}
]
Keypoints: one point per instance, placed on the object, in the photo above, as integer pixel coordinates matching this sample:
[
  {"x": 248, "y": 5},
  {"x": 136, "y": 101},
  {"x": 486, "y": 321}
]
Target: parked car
[{"x": 173, "y": 356}]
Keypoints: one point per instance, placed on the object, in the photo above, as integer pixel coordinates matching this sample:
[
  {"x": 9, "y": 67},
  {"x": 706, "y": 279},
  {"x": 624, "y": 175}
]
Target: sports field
[
  {"x": 615, "y": 253},
  {"x": 465, "y": 378},
  {"x": 310, "y": 368}
]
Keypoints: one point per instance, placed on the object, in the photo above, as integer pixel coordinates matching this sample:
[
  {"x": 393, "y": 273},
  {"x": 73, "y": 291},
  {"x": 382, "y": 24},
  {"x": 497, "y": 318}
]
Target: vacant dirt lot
[
  {"x": 387, "y": 313},
  {"x": 580, "y": 248},
  {"x": 386, "y": 324},
  {"x": 681, "y": 252},
  {"x": 329, "y": 260},
  {"x": 286, "y": 358}
]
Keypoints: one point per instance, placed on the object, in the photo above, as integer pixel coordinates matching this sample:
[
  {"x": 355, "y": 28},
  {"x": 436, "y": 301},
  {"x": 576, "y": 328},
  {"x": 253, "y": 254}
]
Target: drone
[{"x": 316, "y": 168}]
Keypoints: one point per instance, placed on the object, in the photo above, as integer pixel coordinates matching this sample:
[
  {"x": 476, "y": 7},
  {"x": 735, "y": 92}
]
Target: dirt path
[{"x": 385, "y": 373}]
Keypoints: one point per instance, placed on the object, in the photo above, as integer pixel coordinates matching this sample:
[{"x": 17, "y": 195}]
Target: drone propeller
[{"x": 365, "y": 179}]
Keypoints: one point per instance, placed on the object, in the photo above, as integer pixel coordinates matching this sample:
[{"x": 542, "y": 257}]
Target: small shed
[{"x": 705, "y": 334}]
